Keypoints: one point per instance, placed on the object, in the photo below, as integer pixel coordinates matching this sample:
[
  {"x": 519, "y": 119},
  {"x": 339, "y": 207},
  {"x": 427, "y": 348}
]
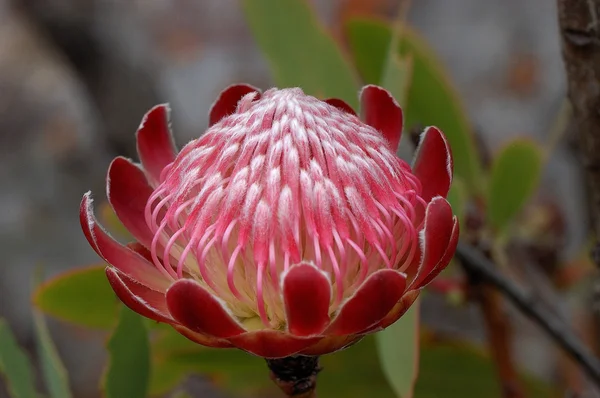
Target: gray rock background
[{"x": 76, "y": 76}]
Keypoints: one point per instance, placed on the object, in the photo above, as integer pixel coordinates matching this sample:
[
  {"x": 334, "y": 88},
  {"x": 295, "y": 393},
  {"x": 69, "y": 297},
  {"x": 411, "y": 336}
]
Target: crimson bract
[{"x": 289, "y": 227}]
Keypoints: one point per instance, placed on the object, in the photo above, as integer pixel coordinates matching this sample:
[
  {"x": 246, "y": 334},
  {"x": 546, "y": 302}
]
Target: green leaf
[
  {"x": 53, "y": 370},
  {"x": 299, "y": 50},
  {"x": 455, "y": 369},
  {"x": 431, "y": 98},
  {"x": 353, "y": 372},
  {"x": 82, "y": 296},
  {"x": 175, "y": 357},
  {"x": 397, "y": 77},
  {"x": 458, "y": 197},
  {"x": 515, "y": 176},
  {"x": 396, "y": 70},
  {"x": 15, "y": 367},
  {"x": 369, "y": 42},
  {"x": 398, "y": 350},
  {"x": 129, "y": 364}
]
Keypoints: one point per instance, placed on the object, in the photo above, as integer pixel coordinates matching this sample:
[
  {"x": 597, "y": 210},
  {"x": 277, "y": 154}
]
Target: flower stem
[
  {"x": 500, "y": 341},
  {"x": 295, "y": 375},
  {"x": 499, "y": 330}
]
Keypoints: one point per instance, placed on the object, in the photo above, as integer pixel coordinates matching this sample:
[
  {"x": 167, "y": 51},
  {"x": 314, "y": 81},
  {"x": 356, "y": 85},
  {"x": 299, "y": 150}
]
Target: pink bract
[{"x": 289, "y": 227}]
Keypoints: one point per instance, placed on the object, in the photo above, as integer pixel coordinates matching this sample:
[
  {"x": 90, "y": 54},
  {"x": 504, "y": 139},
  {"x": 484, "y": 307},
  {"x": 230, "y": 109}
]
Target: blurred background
[{"x": 76, "y": 77}]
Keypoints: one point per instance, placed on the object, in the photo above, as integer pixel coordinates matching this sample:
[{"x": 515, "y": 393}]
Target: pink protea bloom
[{"x": 289, "y": 227}]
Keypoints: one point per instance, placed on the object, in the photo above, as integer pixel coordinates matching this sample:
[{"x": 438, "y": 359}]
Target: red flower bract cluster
[{"x": 289, "y": 227}]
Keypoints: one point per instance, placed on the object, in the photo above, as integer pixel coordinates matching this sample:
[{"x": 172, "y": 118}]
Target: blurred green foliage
[
  {"x": 515, "y": 175},
  {"x": 128, "y": 369},
  {"x": 55, "y": 375},
  {"x": 82, "y": 296},
  {"x": 15, "y": 366},
  {"x": 300, "y": 51}
]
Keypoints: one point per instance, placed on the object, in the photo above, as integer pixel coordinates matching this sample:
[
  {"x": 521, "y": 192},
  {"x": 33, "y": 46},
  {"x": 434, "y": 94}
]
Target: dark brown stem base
[{"x": 296, "y": 375}]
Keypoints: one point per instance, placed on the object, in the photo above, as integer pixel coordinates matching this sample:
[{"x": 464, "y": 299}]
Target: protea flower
[{"x": 289, "y": 227}]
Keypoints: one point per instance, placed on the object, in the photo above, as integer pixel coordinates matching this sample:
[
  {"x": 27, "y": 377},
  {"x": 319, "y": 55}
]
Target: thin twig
[
  {"x": 559, "y": 128},
  {"x": 499, "y": 334},
  {"x": 479, "y": 266},
  {"x": 499, "y": 330}
]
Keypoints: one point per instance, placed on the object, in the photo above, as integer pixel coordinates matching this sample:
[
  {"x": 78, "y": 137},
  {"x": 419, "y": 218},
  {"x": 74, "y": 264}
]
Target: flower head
[{"x": 289, "y": 227}]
